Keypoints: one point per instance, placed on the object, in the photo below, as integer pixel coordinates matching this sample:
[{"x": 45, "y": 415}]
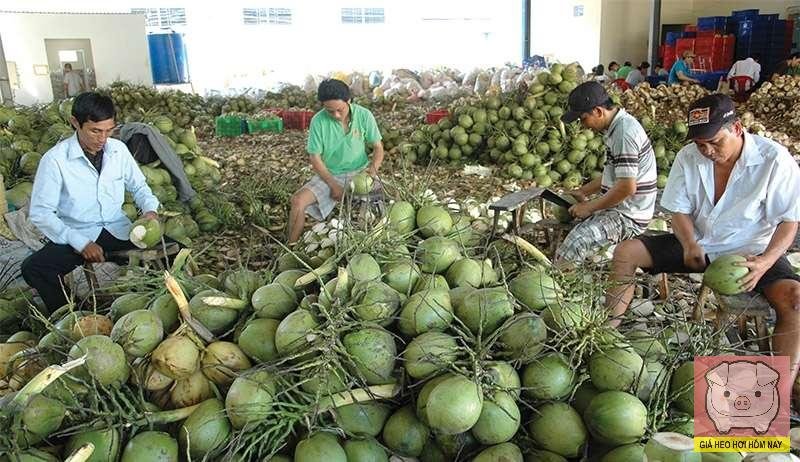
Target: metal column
[
  {"x": 6, "y": 97},
  {"x": 526, "y": 29},
  {"x": 653, "y": 40}
]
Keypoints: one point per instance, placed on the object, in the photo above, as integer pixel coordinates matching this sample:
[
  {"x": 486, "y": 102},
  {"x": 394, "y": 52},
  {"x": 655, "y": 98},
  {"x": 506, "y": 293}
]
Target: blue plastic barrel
[{"x": 168, "y": 58}]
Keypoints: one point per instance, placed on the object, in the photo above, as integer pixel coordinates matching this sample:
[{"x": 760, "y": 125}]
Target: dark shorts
[{"x": 667, "y": 254}]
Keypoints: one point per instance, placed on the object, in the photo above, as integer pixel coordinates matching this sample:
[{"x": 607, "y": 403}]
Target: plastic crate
[
  {"x": 768, "y": 17},
  {"x": 690, "y": 28},
  {"x": 229, "y": 126},
  {"x": 683, "y": 45},
  {"x": 264, "y": 126},
  {"x": 435, "y": 116},
  {"x": 689, "y": 34},
  {"x": 745, "y": 13},
  {"x": 297, "y": 120},
  {"x": 712, "y": 23},
  {"x": 671, "y": 37}
]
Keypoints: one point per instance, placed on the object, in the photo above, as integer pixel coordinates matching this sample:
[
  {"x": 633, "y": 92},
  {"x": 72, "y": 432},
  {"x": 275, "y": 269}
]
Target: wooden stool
[
  {"x": 553, "y": 231},
  {"x": 741, "y": 307}
]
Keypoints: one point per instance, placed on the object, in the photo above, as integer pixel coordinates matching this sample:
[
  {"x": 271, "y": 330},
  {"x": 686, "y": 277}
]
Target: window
[
  {"x": 255, "y": 16},
  {"x": 362, "y": 16},
  {"x": 162, "y": 17}
]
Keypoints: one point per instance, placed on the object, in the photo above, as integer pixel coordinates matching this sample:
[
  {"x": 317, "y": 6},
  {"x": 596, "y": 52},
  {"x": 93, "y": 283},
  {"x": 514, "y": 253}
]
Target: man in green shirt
[
  {"x": 337, "y": 146},
  {"x": 622, "y": 72}
]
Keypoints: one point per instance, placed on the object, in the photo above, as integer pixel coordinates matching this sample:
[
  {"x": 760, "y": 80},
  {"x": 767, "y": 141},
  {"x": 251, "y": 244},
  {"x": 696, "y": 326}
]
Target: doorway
[{"x": 75, "y": 52}]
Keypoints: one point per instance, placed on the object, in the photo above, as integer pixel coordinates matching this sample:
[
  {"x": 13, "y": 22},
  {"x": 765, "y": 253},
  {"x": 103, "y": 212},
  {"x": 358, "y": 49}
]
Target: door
[{"x": 75, "y": 52}]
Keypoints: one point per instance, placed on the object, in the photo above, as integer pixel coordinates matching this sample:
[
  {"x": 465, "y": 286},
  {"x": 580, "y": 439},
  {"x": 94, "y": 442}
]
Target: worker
[
  {"x": 749, "y": 67},
  {"x": 77, "y": 199},
  {"x": 789, "y": 66},
  {"x": 660, "y": 71},
  {"x": 680, "y": 72},
  {"x": 627, "y": 186},
  {"x": 611, "y": 71},
  {"x": 730, "y": 192},
  {"x": 622, "y": 72},
  {"x": 638, "y": 75},
  {"x": 73, "y": 82},
  {"x": 598, "y": 74},
  {"x": 337, "y": 140}
]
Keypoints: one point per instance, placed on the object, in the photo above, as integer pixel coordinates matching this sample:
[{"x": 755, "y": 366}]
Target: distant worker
[
  {"x": 622, "y": 72},
  {"x": 73, "y": 82},
  {"x": 598, "y": 74},
  {"x": 638, "y": 75},
  {"x": 680, "y": 72},
  {"x": 749, "y": 67},
  {"x": 625, "y": 195},
  {"x": 337, "y": 149},
  {"x": 660, "y": 71},
  {"x": 611, "y": 72},
  {"x": 789, "y": 66}
]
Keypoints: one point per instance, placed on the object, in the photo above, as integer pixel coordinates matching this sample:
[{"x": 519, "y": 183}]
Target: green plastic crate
[
  {"x": 229, "y": 126},
  {"x": 264, "y": 125}
]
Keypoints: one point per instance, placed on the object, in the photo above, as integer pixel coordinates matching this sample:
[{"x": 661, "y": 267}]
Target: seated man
[
  {"x": 337, "y": 141},
  {"x": 77, "y": 199},
  {"x": 627, "y": 186},
  {"x": 729, "y": 192},
  {"x": 681, "y": 72}
]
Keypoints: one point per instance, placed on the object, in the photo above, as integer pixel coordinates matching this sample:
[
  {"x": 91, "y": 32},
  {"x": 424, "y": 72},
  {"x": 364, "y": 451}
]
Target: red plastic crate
[
  {"x": 706, "y": 33},
  {"x": 682, "y": 45},
  {"x": 435, "y": 116},
  {"x": 690, "y": 28},
  {"x": 296, "y": 120}
]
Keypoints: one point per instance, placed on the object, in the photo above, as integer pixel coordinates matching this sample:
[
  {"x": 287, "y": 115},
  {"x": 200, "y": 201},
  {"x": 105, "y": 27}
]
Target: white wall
[
  {"x": 557, "y": 33},
  {"x": 119, "y": 48},
  {"x": 625, "y": 29}
]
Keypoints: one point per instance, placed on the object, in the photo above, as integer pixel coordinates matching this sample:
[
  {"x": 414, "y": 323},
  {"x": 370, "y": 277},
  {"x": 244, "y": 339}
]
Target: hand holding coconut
[
  {"x": 582, "y": 210},
  {"x": 758, "y": 265}
]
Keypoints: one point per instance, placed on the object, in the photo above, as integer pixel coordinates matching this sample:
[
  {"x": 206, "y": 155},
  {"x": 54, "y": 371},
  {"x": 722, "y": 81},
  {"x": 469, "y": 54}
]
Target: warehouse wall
[
  {"x": 23, "y": 41},
  {"x": 557, "y": 32}
]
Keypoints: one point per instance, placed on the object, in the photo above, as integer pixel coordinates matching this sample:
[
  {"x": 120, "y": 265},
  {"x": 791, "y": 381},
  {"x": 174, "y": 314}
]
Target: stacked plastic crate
[
  {"x": 669, "y": 54},
  {"x": 764, "y": 36}
]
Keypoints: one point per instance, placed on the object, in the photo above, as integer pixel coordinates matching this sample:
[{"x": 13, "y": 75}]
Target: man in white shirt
[
  {"x": 749, "y": 67},
  {"x": 729, "y": 192},
  {"x": 73, "y": 83}
]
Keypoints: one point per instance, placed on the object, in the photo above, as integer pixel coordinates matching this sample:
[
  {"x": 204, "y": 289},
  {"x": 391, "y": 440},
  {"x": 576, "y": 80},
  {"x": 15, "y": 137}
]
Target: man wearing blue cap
[
  {"x": 627, "y": 187},
  {"x": 729, "y": 192}
]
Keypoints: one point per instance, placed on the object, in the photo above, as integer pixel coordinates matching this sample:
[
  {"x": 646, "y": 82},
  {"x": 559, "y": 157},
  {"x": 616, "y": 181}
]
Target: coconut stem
[
  {"x": 183, "y": 307},
  {"x": 81, "y": 454},
  {"x": 531, "y": 249},
  {"x": 167, "y": 417},
  {"x": 43, "y": 379},
  {"x": 359, "y": 395}
]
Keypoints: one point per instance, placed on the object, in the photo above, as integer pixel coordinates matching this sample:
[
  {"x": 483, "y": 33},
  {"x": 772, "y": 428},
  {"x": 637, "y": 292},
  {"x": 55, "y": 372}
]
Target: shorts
[
  {"x": 322, "y": 192},
  {"x": 593, "y": 234},
  {"x": 667, "y": 254}
]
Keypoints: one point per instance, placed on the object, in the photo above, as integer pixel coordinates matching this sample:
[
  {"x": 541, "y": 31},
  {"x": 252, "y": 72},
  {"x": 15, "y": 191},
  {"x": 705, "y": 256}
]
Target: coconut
[
  {"x": 484, "y": 310},
  {"x": 242, "y": 283},
  {"x": 404, "y": 433},
  {"x": 681, "y": 387},
  {"x": 105, "y": 360},
  {"x": 362, "y": 419},
  {"x": 166, "y": 309},
  {"x": 249, "y": 399},
  {"x": 453, "y": 445},
  {"x": 324, "y": 381},
  {"x": 401, "y": 275},
  {"x": 634, "y": 452},
  {"x": 558, "y": 428},
  {"x": 150, "y": 378},
  {"x": 138, "y": 332},
  {"x": 429, "y": 353},
  {"x": 671, "y": 447},
  {"x": 363, "y": 267},
  {"x": 469, "y": 272},
  {"x": 540, "y": 455},
  {"x": 524, "y": 337},
  {"x": 205, "y": 431},
  {"x": 40, "y": 417},
  {"x": 375, "y": 301},
  {"x": 506, "y": 452},
  {"x": 723, "y": 274},
  {"x": 436, "y": 254},
  {"x": 534, "y": 289},
  {"x": 35, "y": 455},
  {"x": 402, "y": 217},
  {"x": 616, "y": 418},
  {"x": 7, "y": 352},
  {"x": 91, "y": 324},
  {"x": 499, "y": 419},
  {"x": 292, "y": 334},
  {"x": 274, "y": 301},
  {"x": 433, "y": 220},
  {"x": 106, "y": 444},
  {"x": 646, "y": 346},
  {"x": 367, "y": 450},
  {"x": 548, "y": 378},
  {"x": 503, "y": 376},
  {"x": 190, "y": 391},
  {"x": 426, "y": 311},
  {"x": 222, "y": 361},
  {"x": 454, "y": 405},
  {"x": 654, "y": 374},
  {"x": 373, "y": 351},
  {"x": 429, "y": 282},
  {"x": 146, "y": 233},
  {"x": 288, "y": 277},
  {"x": 216, "y": 310},
  {"x": 177, "y": 357},
  {"x": 151, "y": 446},
  {"x": 124, "y": 304},
  {"x": 257, "y": 339},
  {"x": 319, "y": 447},
  {"x": 564, "y": 315},
  {"x": 615, "y": 369},
  {"x": 584, "y": 395}
]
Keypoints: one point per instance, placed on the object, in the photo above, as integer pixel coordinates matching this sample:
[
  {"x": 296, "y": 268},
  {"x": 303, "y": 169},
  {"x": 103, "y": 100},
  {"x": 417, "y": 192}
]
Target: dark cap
[
  {"x": 708, "y": 114},
  {"x": 583, "y": 99}
]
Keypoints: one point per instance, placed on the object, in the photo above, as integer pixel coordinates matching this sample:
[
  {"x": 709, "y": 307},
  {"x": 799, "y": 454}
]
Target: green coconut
[
  {"x": 453, "y": 445},
  {"x": 499, "y": 420},
  {"x": 505, "y": 452},
  {"x": 138, "y": 332},
  {"x": 151, "y": 446},
  {"x": 375, "y": 301},
  {"x": 524, "y": 336},
  {"x": 430, "y": 282},
  {"x": 401, "y": 275},
  {"x": 437, "y": 253},
  {"x": 616, "y": 418},
  {"x": 32, "y": 455},
  {"x": 564, "y": 315},
  {"x": 470, "y": 272},
  {"x": 629, "y": 452},
  {"x": 681, "y": 387},
  {"x": 671, "y": 447},
  {"x": 583, "y": 395},
  {"x": 205, "y": 431},
  {"x": 249, "y": 399},
  {"x": 425, "y": 392},
  {"x": 106, "y": 444},
  {"x": 257, "y": 339},
  {"x": 433, "y": 220},
  {"x": 540, "y": 455},
  {"x": 127, "y": 303},
  {"x": 484, "y": 310},
  {"x": 367, "y": 450},
  {"x": 146, "y": 233},
  {"x": 503, "y": 376},
  {"x": 402, "y": 217},
  {"x": 723, "y": 274},
  {"x": 40, "y": 417},
  {"x": 324, "y": 382},
  {"x": 274, "y": 301},
  {"x": 319, "y": 447},
  {"x": 177, "y": 357},
  {"x": 105, "y": 360},
  {"x": 361, "y": 183},
  {"x": 548, "y": 378},
  {"x": 558, "y": 428},
  {"x": 535, "y": 289},
  {"x": 363, "y": 267},
  {"x": 426, "y": 311},
  {"x": 222, "y": 361},
  {"x": 216, "y": 310},
  {"x": 646, "y": 346},
  {"x": 373, "y": 351},
  {"x": 291, "y": 334},
  {"x": 404, "y": 433},
  {"x": 288, "y": 277},
  {"x": 362, "y": 419},
  {"x": 429, "y": 353},
  {"x": 615, "y": 369},
  {"x": 166, "y": 309},
  {"x": 454, "y": 405},
  {"x": 241, "y": 283},
  {"x": 190, "y": 391},
  {"x": 655, "y": 374}
]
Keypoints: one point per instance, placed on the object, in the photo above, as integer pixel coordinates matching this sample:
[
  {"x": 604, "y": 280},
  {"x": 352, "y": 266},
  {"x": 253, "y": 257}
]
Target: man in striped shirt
[{"x": 627, "y": 186}]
